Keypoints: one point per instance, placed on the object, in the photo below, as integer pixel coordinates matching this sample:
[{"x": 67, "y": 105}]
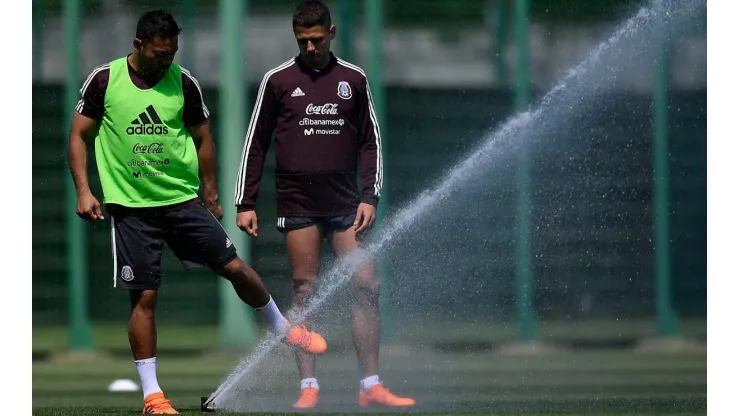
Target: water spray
[{"x": 515, "y": 127}]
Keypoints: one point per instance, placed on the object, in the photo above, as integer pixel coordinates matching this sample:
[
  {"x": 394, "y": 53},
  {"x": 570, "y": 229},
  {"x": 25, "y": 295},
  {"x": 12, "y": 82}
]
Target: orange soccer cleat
[
  {"x": 309, "y": 341},
  {"x": 381, "y": 396},
  {"x": 157, "y": 404},
  {"x": 309, "y": 398}
]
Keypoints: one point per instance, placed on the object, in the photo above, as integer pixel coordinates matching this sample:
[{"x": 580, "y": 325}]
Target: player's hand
[
  {"x": 247, "y": 222},
  {"x": 88, "y": 208},
  {"x": 365, "y": 217},
  {"x": 212, "y": 204}
]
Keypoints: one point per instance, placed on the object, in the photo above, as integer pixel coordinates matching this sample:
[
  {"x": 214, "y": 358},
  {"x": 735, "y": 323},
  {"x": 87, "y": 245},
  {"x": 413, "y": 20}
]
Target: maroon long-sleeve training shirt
[{"x": 325, "y": 127}]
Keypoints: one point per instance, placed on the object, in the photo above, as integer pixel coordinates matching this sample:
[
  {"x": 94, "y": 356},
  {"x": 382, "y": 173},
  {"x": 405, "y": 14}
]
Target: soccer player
[
  {"x": 152, "y": 146},
  {"x": 321, "y": 112}
]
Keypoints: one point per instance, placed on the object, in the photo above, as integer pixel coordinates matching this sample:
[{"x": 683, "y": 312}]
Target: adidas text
[
  {"x": 148, "y": 122},
  {"x": 148, "y": 129}
]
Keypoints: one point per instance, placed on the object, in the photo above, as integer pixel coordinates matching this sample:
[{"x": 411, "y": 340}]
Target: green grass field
[
  {"x": 122, "y": 412},
  {"x": 613, "y": 382},
  {"x": 185, "y": 338}
]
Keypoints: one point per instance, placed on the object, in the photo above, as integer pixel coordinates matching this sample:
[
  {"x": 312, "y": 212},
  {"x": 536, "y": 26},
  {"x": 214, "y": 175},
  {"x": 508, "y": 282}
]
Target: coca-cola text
[
  {"x": 152, "y": 148},
  {"x": 324, "y": 109}
]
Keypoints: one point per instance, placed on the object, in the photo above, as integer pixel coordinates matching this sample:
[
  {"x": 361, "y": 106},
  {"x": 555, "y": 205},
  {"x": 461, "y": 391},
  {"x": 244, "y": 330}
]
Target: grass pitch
[
  {"x": 126, "y": 412},
  {"x": 578, "y": 383}
]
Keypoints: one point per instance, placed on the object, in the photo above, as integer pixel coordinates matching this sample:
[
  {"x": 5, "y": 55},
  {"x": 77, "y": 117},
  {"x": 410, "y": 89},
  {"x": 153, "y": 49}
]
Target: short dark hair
[
  {"x": 157, "y": 24},
  {"x": 312, "y": 13}
]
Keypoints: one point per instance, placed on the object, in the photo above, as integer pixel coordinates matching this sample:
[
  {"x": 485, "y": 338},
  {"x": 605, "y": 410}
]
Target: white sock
[
  {"x": 147, "y": 370},
  {"x": 367, "y": 383},
  {"x": 275, "y": 319},
  {"x": 309, "y": 382}
]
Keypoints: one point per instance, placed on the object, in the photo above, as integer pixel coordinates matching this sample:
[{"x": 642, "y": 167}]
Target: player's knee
[
  {"x": 303, "y": 284},
  {"x": 366, "y": 289},
  {"x": 365, "y": 279},
  {"x": 146, "y": 314},
  {"x": 143, "y": 303},
  {"x": 234, "y": 271},
  {"x": 303, "y": 287},
  {"x": 143, "y": 312}
]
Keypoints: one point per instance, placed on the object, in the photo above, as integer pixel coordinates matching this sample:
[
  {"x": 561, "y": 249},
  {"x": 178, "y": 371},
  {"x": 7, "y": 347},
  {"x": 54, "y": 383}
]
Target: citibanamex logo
[
  {"x": 325, "y": 109},
  {"x": 150, "y": 149}
]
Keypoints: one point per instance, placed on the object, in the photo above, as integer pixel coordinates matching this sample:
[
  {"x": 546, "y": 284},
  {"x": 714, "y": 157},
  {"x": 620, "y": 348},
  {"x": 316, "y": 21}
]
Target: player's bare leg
[
  {"x": 304, "y": 251},
  {"x": 365, "y": 305},
  {"x": 142, "y": 336},
  {"x": 366, "y": 325},
  {"x": 250, "y": 289},
  {"x": 247, "y": 283},
  {"x": 142, "y": 331}
]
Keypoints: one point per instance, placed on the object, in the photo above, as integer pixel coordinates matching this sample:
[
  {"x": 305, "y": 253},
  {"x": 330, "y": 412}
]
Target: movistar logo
[{"x": 147, "y": 123}]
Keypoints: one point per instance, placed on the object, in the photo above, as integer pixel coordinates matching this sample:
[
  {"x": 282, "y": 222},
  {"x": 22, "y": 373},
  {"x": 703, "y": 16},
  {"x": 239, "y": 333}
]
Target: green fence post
[
  {"x": 374, "y": 32},
  {"x": 526, "y": 316},
  {"x": 497, "y": 20},
  {"x": 187, "y": 17},
  {"x": 665, "y": 313},
  {"x": 236, "y": 324},
  {"x": 37, "y": 22},
  {"x": 80, "y": 338},
  {"x": 346, "y": 31}
]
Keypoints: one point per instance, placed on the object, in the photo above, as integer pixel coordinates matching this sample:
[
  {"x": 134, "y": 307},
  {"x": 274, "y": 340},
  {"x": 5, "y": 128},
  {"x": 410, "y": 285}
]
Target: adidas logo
[
  {"x": 297, "y": 92},
  {"x": 148, "y": 122},
  {"x": 228, "y": 242}
]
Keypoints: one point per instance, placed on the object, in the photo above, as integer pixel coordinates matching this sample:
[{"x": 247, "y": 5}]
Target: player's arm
[
  {"x": 371, "y": 159},
  {"x": 196, "y": 118},
  {"x": 81, "y": 130},
  {"x": 256, "y": 145},
  {"x": 85, "y": 122},
  {"x": 207, "y": 161}
]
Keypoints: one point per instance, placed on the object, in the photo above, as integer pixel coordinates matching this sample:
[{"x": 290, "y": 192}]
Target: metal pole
[
  {"x": 80, "y": 338},
  {"x": 187, "y": 17},
  {"x": 37, "y": 21},
  {"x": 526, "y": 316},
  {"x": 665, "y": 313},
  {"x": 236, "y": 327},
  {"x": 497, "y": 19},
  {"x": 374, "y": 33},
  {"x": 345, "y": 31}
]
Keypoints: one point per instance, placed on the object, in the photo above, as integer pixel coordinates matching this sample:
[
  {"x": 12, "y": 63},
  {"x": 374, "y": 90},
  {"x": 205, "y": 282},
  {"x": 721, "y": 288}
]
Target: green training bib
[{"x": 145, "y": 155}]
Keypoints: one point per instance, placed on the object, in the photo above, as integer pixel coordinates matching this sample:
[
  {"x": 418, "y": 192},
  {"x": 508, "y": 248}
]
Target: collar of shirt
[{"x": 308, "y": 69}]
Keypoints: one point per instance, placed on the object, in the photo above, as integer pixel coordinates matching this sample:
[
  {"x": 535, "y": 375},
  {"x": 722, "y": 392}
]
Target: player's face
[
  {"x": 157, "y": 55},
  {"x": 314, "y": 43}
]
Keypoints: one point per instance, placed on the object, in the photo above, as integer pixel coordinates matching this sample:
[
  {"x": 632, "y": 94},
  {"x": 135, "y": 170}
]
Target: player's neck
[
  {"x": 320, "y": 66},
  {"x": 133, "y": 60}
]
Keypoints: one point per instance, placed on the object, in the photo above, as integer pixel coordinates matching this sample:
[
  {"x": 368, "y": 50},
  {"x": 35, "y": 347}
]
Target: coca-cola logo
[
  {"x": 151, "y": 148},
  {"x": 323, "y": 109}
]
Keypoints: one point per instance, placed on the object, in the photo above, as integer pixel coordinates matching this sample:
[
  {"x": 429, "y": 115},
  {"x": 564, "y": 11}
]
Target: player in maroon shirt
[{"x": 320, "y": 111}]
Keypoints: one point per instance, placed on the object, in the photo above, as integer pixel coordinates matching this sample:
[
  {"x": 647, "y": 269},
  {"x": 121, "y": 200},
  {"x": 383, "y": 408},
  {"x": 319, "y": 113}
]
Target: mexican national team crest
[
  {"x": 127, "y": 274},
  {"x": 344, "y": 91}
]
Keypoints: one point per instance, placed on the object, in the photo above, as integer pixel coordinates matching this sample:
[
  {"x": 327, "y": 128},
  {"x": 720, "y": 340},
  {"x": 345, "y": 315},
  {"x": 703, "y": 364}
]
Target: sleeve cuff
[
  {"x": 244, "y": 208},
  {"x": 371, "y": 199}
]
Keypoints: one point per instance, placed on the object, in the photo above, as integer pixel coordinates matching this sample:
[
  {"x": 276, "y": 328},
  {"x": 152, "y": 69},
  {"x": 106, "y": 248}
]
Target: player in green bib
[
  {"x": 153, "y": 149},
  {"x": 146, "y": 154}
]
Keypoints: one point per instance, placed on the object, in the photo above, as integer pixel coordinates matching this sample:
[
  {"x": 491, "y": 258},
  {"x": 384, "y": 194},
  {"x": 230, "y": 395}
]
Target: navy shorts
[
  {"x": 327, "y": 225},
  {"x": 138, "y": 236}
]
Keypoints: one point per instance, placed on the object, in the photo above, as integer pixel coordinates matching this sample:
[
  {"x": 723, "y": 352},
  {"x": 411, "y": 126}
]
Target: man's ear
[
  {"x": 332, "y": 32},
  {"x": 138, "y": 44}
]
